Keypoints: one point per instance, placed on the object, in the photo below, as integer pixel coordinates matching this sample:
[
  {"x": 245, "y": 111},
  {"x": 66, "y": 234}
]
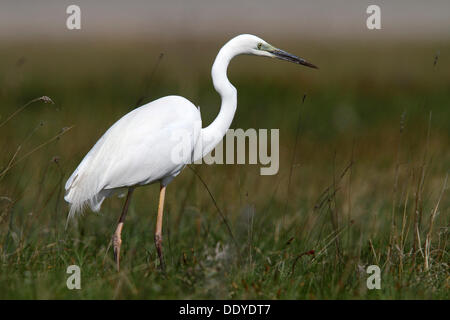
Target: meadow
[{"x": 364, "y": 161}]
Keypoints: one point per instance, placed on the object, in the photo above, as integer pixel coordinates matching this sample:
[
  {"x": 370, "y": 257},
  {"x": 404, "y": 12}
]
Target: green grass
[{"x": 367, "y": 178}]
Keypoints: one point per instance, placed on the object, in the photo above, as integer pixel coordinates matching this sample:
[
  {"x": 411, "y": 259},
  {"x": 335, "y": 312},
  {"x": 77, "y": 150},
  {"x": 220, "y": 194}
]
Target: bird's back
[{"x": 138, "y": 149}]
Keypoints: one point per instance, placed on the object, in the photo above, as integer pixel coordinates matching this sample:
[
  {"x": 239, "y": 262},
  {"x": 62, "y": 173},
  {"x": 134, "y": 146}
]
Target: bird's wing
[{"x": 137, "y": 149}]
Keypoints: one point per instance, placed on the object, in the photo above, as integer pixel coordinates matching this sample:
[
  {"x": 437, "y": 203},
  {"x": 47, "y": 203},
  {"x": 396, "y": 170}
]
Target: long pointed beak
[{"x": 283, "y": 55}]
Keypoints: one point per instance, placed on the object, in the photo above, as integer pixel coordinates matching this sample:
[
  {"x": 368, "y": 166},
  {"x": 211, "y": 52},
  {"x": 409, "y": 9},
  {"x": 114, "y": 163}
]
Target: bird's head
[{"x": 252, "y": 45}]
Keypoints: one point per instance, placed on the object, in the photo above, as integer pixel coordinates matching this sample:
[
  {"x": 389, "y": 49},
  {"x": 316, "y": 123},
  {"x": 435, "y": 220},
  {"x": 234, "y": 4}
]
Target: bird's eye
[{"x": 259, "y": 45}]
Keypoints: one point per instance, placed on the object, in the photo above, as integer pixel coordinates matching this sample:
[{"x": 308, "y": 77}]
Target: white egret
[{"x": 139, "y": 150}]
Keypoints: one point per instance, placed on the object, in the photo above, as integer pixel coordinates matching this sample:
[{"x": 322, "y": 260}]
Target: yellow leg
[
  {"x": 117, "y": 239},
  {"x": 158, "y": 232}
]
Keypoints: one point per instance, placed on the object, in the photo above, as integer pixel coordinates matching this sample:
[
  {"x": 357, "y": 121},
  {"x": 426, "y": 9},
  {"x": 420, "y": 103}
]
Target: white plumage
[
  {"x": 154, "y": 142},
  {"x": 136, "y": 150}
]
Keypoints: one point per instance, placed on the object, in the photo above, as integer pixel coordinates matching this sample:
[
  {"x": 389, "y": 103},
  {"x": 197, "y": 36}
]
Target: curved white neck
[{"x": 213, "y": 134}]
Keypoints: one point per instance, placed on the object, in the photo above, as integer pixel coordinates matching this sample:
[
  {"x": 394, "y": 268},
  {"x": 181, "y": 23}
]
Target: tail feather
[
  {"x": 85, "y": 187},
  {"x": 82, "y": 192}
]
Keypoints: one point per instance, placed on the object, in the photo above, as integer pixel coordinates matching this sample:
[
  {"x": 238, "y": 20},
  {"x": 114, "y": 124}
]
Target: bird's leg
[
  {"x": 117, "y": 240},
  {"x": 159, "y": 220}
]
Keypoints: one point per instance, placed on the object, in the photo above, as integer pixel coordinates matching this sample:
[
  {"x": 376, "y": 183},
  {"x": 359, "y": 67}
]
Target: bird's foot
[
  {"x": 158, "y": 244},
  {"x": 117, "y": 242}
]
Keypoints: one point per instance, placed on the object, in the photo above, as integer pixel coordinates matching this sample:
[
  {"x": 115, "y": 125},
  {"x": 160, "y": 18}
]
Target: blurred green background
[{"x": 362, "y": 179}]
